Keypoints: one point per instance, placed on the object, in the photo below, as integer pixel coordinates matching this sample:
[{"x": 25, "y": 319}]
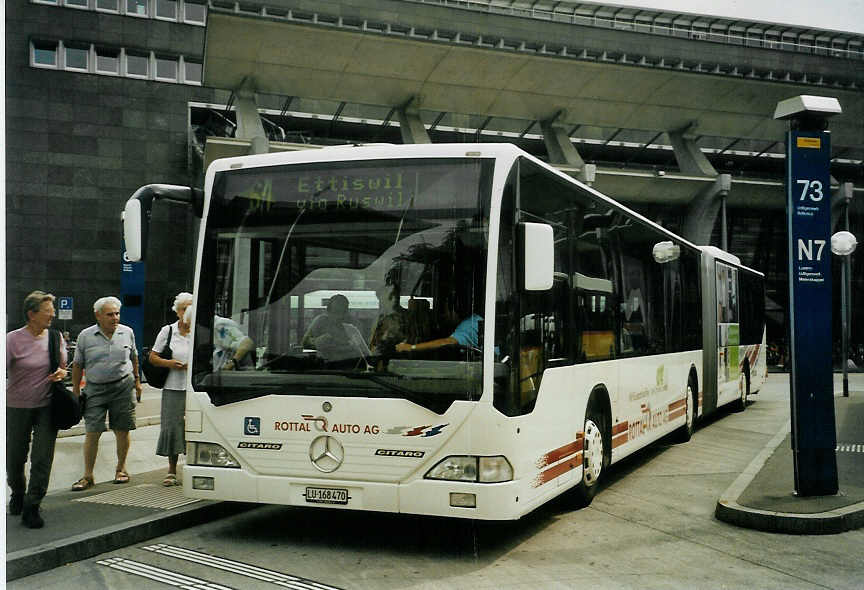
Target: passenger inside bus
[
  {"x": 421, "y": 322},
  {"x": 333, "y": 336},
  {"x": 392, "y": 323},
  {"x": 466, "y": 334},
  {"x": 232, "y": 348}
]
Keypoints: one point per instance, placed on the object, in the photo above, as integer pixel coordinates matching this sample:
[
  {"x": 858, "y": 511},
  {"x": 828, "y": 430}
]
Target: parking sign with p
[{"x": 64, "y": 308}]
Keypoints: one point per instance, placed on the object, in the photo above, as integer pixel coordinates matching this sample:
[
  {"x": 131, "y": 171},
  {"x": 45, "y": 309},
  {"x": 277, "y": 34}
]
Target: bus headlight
[
  {"x": 495, "y": 469},
  {"x": 210, "y": 455}
]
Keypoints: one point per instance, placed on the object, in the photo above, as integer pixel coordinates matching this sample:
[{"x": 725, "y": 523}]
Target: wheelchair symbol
[{"x": 252, "y": 426}]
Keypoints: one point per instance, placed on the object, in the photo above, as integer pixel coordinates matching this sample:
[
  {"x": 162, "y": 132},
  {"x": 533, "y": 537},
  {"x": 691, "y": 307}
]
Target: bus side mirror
[
  {"x": 135, "y": 224},
  {"x": 664, "y": 252},
  {"x": 536, "y": 256},
  {"x": 136, "y": 213}
]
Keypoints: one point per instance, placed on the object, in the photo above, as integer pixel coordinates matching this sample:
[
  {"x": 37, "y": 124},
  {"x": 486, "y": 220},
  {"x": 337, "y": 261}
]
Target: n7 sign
[{"x": 805, "y": 249}]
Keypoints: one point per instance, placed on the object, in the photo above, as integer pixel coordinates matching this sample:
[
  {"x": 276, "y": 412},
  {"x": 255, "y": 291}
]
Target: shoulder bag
[
  {"x": 66, "y": 409},
  {"x": 156, "y": 376}
]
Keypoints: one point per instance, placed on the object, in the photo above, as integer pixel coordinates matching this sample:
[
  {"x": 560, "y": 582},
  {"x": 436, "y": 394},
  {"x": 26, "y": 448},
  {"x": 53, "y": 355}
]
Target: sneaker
[
  {"x": 16, "y": 504},
  {"x": 30, "y": 517}
]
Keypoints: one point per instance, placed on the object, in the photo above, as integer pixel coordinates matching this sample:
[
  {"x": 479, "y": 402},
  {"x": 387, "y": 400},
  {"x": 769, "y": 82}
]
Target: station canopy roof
[{"x": 505, "y": 91}]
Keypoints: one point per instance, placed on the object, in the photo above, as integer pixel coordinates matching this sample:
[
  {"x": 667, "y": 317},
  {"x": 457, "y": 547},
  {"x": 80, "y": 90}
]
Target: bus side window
[
  {"x": 594, "y": 294},
  {"x": 644, "y": 290}
]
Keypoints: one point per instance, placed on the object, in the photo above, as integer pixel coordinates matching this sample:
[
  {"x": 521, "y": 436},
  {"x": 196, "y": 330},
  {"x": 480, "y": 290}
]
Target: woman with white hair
[{"x": 171, "y": 441}]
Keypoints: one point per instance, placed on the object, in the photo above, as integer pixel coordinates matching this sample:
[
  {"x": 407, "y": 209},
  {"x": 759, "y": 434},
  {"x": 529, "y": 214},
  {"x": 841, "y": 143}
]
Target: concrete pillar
[
  {"x": 709, "y": 201},
  {"x": 703, "y": 209},
  {"x": 249, "y": 125},
  {"x": 411, "y": 126},
  {"x": 691, "y": 160},
  {"x": 558, "y": 145},
  {"x": 242, "y": 274}
]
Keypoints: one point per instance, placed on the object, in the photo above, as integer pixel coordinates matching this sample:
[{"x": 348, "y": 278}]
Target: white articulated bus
[{"x": 509, "y": 334}]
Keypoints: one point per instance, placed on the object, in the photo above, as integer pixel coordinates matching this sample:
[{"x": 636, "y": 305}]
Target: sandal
[
  {"x": 82, "y": 484},
  {"x": 171, "y": 480},
  {"x": 121, "y": 477}
]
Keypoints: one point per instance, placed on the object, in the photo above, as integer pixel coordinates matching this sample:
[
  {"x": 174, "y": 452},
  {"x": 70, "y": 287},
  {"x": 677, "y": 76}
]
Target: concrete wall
[{"x": 78, "y": 145}]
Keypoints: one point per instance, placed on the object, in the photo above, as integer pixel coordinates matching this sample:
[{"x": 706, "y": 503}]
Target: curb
[
  {"x": 829, "y": 522},
  {"x": 31, "y": 561},
  {"x": 78, "y": 429}
]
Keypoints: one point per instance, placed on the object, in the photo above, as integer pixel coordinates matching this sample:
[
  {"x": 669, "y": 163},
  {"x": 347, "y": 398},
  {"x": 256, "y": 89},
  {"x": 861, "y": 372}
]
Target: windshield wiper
[{"x": 436, "y": 403}]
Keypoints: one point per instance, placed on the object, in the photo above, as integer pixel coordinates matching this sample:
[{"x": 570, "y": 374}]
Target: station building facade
[{"x": 105, "y": 96}]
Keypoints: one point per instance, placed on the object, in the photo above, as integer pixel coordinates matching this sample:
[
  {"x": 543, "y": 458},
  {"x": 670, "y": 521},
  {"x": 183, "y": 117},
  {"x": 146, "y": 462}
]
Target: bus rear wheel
[
  {"x": 595, "y": 458},
  {"x": 743, "y": 388}
]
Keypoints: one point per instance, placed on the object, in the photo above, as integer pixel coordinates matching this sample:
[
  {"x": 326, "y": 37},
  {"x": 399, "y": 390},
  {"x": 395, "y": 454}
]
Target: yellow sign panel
[{"x": 810, "y": 142}]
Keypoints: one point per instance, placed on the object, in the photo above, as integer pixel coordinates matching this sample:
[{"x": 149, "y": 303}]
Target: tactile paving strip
[
  {"x": 146, "y": 495},
  {"x": 850, "y": 448}
]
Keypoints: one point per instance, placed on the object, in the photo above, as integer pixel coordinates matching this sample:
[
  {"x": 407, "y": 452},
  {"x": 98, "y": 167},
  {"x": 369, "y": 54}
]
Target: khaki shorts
[{"x": 115, "y": 399}]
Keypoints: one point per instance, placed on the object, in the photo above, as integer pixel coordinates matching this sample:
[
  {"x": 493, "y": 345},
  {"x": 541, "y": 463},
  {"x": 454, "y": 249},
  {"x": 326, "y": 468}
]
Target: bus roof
[{"x": 371, "y": 151}]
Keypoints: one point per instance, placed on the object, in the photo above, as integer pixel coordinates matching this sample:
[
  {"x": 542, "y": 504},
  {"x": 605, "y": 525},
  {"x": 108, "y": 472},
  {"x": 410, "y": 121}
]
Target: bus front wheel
[
  {"x": 685, "y": 431},
  {"x": 595, "y": 458}
]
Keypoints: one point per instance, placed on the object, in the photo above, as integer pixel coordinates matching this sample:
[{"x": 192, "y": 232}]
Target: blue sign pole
[
  {"x": 132, "y": 283},
  {"x": 808, "y": 209}
]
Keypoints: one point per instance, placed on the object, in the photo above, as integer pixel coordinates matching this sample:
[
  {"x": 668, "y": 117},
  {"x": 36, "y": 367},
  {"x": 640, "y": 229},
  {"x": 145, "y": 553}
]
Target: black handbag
[
  {"x": 65, "y": 408},
  {"x": 156, "y": 376}
]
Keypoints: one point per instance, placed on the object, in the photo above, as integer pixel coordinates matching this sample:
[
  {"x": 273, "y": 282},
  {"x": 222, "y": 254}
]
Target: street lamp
[{"x": 843, "y": 243}]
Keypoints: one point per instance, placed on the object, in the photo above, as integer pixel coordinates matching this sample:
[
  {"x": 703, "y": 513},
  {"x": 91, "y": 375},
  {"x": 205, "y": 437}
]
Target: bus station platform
[{"x": 763, "y": 496}]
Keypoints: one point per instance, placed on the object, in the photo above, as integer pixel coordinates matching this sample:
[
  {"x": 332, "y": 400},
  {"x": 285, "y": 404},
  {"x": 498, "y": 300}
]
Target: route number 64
[{"x": 812, "y": 189}]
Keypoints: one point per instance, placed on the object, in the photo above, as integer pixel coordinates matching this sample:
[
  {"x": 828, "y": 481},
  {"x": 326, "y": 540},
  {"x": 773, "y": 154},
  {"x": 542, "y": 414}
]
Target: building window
[
  {"x": 137, "y": 65},
  {"x": 193, "y": 72},
  {"x": 194, "y": 12},
  {"x": 108, "y": 5},
  {"x": 166, "y": 68},
  {"x": 107, "y": 61},
  {"x": 77, "y": 57},
  {"x": 45, "y": 53},
  {"x": 136, "y": 7},
  {"x": 115, "y": 61},
  {"x": 166, "y": 9}
]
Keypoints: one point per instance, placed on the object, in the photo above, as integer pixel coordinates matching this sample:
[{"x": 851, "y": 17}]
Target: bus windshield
[{"x": 355, "y": 278}]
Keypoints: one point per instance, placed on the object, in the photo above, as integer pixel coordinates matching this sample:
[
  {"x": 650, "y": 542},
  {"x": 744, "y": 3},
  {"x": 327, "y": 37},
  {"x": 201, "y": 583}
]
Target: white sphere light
[{"x": 843, "y": 243}]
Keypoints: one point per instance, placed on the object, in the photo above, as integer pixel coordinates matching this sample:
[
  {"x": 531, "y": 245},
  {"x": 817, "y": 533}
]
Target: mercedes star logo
[{"x": 326, "y": 454}]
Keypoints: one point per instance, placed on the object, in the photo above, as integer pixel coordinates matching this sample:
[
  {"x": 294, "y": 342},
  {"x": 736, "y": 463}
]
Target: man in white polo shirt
[{"x": 106, "y": 351}]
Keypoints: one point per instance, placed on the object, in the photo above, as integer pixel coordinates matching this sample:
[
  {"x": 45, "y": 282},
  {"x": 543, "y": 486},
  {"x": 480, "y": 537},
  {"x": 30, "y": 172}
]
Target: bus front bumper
[{"x": 499, "y": 501}]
